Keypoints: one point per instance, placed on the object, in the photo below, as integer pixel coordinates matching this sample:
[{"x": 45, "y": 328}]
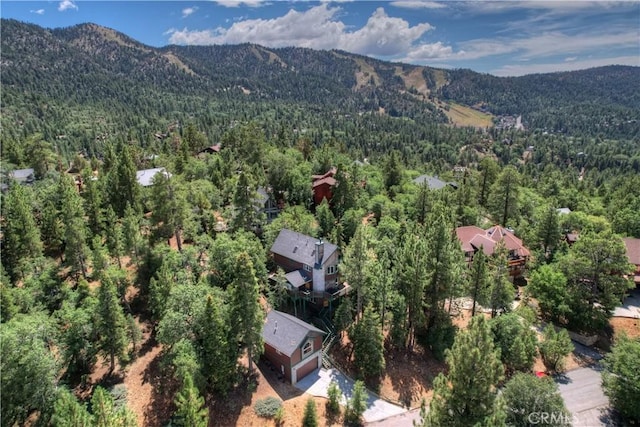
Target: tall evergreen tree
[
  {"x": 191, "y": 410},
  {"x": 22, "y": 244},
  {"x": 93, "y": 202},
  {"x": 503, "y": 199},
  {"x": 115, "y": 238},
  {"x": 548, "y": 231},
  {"x": 368, "y": 344},
  {"x": 107, "y": 414},
  {"x": 412, "y": 276},
  {"x": 501, "y": 291},
  {"x": 246, "y": 311},
  {"x": 76, "y": 251},
  {"x": 112, "y": 325},
  {"x": 131, "y": 231},
  {"x": 355, "y": 258},
  {"x": 466, "y": 395},
  {"x": 489, "y": 170},
  {"x": 218, "y": 352},
  {"x": 245, "y": 215},
  {"x": 478, "y": 280},
  {"x": 171, "y": 212},
  {"x": 68, "y": 412}
]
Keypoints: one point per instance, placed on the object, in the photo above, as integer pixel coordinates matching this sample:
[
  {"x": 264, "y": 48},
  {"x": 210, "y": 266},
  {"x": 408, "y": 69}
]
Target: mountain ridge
[{"x": 92, "y": 64}]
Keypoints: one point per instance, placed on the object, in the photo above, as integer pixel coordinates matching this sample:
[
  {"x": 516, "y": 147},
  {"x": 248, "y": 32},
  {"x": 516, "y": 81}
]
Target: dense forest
[{"x": 99, "y": 271}]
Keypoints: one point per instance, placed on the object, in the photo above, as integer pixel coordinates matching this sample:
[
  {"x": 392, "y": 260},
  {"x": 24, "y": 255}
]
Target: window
[
  {"x": 307, "y": 348},
  {"x": 332, "y": 269},
  {"x": 307, "y": 267}
]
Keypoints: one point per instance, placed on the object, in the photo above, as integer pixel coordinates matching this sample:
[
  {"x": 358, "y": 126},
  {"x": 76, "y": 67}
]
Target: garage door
[{"x": 307, "y": 368}]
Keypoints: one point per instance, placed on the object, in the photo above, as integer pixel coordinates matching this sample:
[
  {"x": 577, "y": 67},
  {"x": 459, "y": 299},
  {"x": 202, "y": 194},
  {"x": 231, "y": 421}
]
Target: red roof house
[
  {"x": 323, "y": 186},
  {"x": 473, "y": 238}
]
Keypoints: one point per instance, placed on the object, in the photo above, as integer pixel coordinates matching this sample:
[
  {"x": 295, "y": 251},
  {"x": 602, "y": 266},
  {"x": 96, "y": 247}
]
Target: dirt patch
[
  {"x": 408, "y": 376},
  {"x": 626, "y": 325}
]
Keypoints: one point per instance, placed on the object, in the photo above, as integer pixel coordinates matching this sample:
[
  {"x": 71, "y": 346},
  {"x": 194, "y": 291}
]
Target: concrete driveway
[
  {"x": 317, "y": 383},
  {"x": 630, "y": 306},
  {"x": 582, "y": 392}
]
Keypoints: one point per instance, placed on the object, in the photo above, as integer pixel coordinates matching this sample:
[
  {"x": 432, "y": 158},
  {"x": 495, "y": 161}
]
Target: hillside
[{"x": 90, "y": 82}]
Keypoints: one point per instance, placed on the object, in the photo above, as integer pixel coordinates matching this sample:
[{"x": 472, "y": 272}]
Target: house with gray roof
[
  {"x": 433, "y": 182},
  {"x": 292, "y": 346},
  {"x": 310, "y": 264},
  {"x": 145, "y": 176}
]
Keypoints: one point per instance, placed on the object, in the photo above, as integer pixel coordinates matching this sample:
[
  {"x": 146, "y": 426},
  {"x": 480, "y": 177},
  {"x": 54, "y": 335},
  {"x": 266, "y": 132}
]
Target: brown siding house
[{"x": 294, "y": 347}]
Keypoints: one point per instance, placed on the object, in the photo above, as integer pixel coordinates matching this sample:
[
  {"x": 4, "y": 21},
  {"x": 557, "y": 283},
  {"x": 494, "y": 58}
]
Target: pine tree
[
  {"x": 501, "y": 291},
  {"x": 326, "y": 220},
  {"x": 112, "y": 324},
  {"x": 548, "y": 231},
  {"x": 218, "y": 352},
  {"x": 479, "y": 280},
  {"x": 68, "y": 412},
  {"x": 131, "y": 231},
  {"x": 106, "y": 413},
  {"x": 191, "y": 410},
  {"x": 467, "y": 394},
  {"x": 555, "y": 346},
  {"x": 368, "y": 344},
  {"x": 503, "y": 200},
  {"x": 445, "y": 265},
  {"x": 245, "y": 215},
  {"x": 171, "y": 212},
  {"x": 93, "y": 201},
  {"x": 246, "y": 311},
  {"x": 489, "y": 170},
  {"x": 310, "y": 418},
  {"x": 357, "y": 404},
  {"x": 354, "y": 261},
  {"x": 115, "y": 238},
  {"x": 22, "y": 244},
  {"x": 412, "y": 276},
  {"x": 76, "y": 251},
  {"x": 334, "y": 396}
]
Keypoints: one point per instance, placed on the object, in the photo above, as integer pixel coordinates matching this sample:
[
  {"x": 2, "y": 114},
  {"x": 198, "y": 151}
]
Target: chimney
[{"x": 319, "y": 251}]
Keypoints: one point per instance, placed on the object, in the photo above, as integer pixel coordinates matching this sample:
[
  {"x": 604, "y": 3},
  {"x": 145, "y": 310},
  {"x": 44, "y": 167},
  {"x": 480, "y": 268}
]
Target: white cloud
[
  {"x": 315, "y": 28},
  {"x": 37, "y": 12},
  {"x": 520, "y": 70},
  {"x": 418, "y": 4},
  {"x": 238, "y": 3},
  {"x": 66, "y": 5},
  {"x": 189, "y": 11},
  {"x": 570, "y": 59}
]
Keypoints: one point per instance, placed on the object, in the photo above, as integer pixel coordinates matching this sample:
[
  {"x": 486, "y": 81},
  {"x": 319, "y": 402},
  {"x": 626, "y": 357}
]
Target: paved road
[
  {"x": 316, "y": 384},
  {"x": 582, "y": 393},
  {"x": 402, "y": 420},
  {"x": 630, "y": 306}
]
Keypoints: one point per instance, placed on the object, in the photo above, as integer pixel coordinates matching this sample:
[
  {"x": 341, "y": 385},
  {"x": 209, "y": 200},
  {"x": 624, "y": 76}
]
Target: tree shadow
[
  {"x": 412, "y": 373},
  {"x": 276, "y": 380},
  {"x": 225, "y": 410},
  {"x": 164, "y": 388}
]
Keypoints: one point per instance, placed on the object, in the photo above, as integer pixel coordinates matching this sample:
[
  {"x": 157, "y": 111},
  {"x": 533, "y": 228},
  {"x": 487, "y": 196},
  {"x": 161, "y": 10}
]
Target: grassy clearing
[{"x": 466, "y": 116}]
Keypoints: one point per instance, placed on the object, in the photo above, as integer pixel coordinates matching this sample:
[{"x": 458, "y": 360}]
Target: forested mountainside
[{"x": 87, "y": 72}]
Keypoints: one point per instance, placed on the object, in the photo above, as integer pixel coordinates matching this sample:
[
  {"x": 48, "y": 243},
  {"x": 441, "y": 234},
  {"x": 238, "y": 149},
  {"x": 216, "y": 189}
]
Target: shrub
[
  {"x": 334, "y": 394},
  {"x": 268, "y": 407}
]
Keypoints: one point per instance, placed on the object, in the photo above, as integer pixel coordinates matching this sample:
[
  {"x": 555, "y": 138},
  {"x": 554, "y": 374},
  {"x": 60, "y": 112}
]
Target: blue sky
[{"x": 500, "y": 37}]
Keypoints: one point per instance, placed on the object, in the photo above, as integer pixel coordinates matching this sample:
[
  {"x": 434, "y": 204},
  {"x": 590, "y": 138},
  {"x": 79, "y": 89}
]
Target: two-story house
[
  {"x": 323, "y": 185},
  {"x": 473, "y": 238},
  {"x": 293, "y": 347},
  {"x": 310, "y": 264}
]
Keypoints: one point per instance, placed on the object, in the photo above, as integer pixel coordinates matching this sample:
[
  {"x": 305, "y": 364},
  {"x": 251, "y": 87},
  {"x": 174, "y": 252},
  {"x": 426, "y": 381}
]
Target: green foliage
[
  {"x": 245, "y": 308},
  {"x": 356, "y": 405},
  {"x": 310, "y": 418},
  {"x": 517, "y": 342},
  {"x": 112, "y": 324},
  {"x": 190, "y": 406},
  {"x": 467, "y": 394},
  {"x": 441, "y": 336},
  {"x": 555, "y": 346},
  {"x": 267, "y": 407},
  {"x": 621, "y": 377},
  {"x": 549, "y": 286},
  {"x": 68, "y": 412},
  {"x": 29, "y": 374},
  {"x": 503, "y": 197},
  {"x": 21, "y": 237},
  {"x": 596, "y": 268},
  {"x": 368, "y": 345},
  {"x": 108, "y": 413},
  {"x": 334, "y": 397},
  {"x": 527, "y": 396}
]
